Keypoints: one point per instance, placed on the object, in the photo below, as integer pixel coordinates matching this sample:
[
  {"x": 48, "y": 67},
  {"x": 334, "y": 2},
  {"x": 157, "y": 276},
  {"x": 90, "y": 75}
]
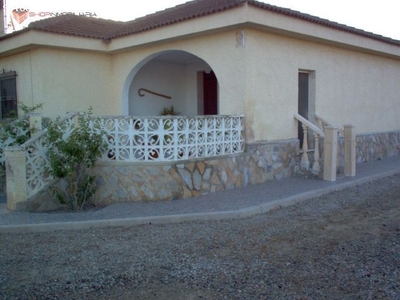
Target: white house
[{"x": 206, "y": 57}]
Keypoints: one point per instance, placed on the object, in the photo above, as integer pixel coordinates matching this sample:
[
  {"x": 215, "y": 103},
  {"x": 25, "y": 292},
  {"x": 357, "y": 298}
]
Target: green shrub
[{"x": 72, "y": 158}]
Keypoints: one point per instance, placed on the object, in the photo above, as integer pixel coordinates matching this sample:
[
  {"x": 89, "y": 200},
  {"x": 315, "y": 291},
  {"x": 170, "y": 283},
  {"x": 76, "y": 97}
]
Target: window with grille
[{"x": 8, "y": 92}]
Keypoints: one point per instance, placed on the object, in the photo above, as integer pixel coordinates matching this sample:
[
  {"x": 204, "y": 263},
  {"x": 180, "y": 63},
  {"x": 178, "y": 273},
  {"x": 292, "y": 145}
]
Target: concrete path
[{"x": 237, "y": 203}]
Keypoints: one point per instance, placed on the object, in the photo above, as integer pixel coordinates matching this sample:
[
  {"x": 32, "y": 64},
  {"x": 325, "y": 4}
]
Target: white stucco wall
[
  {"x": 351, "y": 87},
  {"x": 21, "y": 63},
  {"x": 63, "y": 80},
  {"x": 73, "y": 81},
  {"x": 359, "y": 89}
]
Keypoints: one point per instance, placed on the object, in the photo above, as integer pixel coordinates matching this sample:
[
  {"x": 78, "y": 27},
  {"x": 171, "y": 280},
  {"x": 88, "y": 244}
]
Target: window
[{"x": 8, "y": 92}]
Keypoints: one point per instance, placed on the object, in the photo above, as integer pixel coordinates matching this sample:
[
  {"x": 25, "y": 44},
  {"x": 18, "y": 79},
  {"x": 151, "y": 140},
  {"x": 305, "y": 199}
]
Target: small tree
[{"x": 72, "y": 158}]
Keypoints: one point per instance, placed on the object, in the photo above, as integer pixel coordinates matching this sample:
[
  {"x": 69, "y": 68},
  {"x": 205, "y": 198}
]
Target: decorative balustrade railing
[
  {"x": 318, "y": 133},
  {"x": 171, "y": 138},
  {"x": 37, "y": 160},
  {"x": 330, "y": 135},
  {"x": 19, "y": 131},
  {"x": 142, "y": 139}
]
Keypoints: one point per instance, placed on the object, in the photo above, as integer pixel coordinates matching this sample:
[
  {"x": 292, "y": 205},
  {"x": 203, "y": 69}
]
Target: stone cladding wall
[
  {"x": 377, "y": 146},
  {"x": 122, "y": 182},
  {"x": 370, "y": 147}
]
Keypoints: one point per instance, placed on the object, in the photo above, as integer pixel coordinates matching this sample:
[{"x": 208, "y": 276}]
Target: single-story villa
[{"x": 260, "y": 67}]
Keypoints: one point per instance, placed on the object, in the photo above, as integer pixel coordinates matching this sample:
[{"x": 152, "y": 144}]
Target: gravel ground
[{"x": 345, "y": 245}]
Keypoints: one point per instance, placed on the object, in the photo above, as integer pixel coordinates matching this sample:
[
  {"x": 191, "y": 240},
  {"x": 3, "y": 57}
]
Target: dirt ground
[{"x": 345, "y": 245}]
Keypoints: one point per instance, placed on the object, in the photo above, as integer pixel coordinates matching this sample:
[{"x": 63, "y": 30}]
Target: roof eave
[
  {"x": 31, "y": 39},
  {"x": 257, "y": 14},
  {"x": 323, "y": 22},
  {"x": 252, "y": 17}
]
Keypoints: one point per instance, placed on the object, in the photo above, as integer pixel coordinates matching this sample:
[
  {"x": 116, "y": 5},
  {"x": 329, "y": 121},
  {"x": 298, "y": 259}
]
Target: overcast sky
[{"x": 380, "y": 17}]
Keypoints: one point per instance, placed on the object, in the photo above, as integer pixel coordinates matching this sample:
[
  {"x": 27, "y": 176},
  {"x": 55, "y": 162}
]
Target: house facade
[{"x": 208, "y": 57}]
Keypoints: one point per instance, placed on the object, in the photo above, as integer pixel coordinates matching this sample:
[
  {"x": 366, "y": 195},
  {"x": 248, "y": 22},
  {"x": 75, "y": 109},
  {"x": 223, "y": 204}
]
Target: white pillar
[
  {"x": 349, "y": 150},
  {"x": 330, "y": 154},
  {"x": 17, "y": 193}
]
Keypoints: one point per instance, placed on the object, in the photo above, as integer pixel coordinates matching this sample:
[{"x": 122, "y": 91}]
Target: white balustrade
[
  {"x": 330, "y": 134},
  {"x": 37, "y": 160},
  {"x": 318, "y": 133},
  {"x": 137, "y": 139},
  {"x": 171, "y": 138}
]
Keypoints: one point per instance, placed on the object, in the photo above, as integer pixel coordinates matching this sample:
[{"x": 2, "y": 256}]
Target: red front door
[{"x": 210, "y": 90}]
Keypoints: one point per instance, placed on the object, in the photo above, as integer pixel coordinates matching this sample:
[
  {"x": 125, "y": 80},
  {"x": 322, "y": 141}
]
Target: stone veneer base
[
  {"x": 371, "y": 147},
  {"x": 124, "y": 182}
]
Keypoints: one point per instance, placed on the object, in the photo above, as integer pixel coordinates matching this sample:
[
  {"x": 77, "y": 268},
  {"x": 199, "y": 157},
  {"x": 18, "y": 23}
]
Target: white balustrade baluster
[
  {"x": 316, "y": 166},
  {"x": 305, "y": 163}
]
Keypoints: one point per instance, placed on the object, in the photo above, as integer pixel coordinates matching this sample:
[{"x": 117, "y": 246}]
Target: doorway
[
  {"x": 303, "y": 102},
  {"x": 210, "y": 93}
]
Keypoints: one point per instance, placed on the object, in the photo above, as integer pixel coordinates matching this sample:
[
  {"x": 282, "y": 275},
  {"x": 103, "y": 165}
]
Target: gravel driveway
[{"x": 345, "y": 245}]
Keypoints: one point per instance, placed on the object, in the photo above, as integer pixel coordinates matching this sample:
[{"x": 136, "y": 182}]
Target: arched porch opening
[{"x": 171, "y": 78}]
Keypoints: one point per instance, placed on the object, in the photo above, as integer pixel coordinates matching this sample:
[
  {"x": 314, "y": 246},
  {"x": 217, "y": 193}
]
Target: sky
[{"x": 380, "y": 17}]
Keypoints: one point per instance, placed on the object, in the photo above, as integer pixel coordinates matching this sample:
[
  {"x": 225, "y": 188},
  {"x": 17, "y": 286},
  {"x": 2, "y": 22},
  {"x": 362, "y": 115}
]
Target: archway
[{"x": 166, "y": 79}]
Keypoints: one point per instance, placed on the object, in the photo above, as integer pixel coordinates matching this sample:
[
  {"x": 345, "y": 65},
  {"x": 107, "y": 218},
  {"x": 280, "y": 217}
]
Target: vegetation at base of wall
[{"x": 72, "y": 158}]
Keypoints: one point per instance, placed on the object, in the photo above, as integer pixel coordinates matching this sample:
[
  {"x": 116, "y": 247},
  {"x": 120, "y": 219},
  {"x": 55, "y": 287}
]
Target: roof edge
[
  {"x": 323, "y": 22},
  {"x": 176, "y": 14}
]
